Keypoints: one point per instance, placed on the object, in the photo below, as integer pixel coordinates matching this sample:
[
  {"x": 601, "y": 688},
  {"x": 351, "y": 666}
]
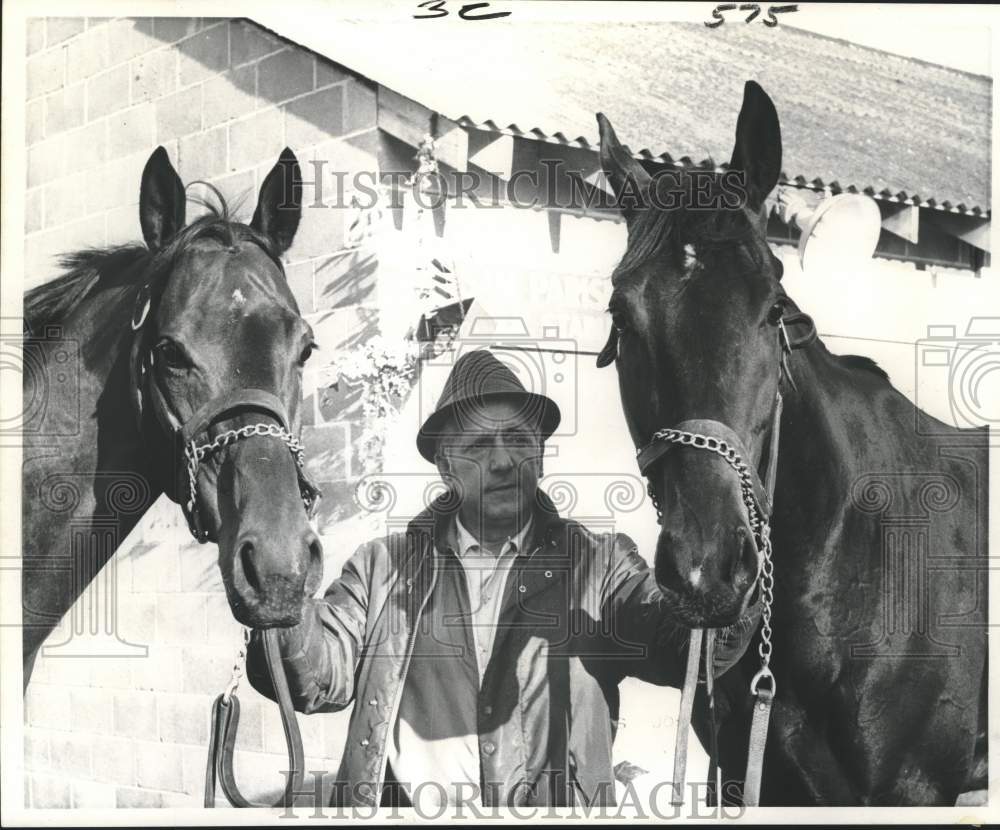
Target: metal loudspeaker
[{"x": 839, "y": 231}]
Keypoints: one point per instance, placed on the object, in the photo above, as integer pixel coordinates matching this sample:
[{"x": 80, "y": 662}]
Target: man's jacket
[{"x": 581, "y": 611}]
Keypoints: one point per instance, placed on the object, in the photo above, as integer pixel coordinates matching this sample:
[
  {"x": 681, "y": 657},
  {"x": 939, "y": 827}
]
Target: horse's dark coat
[{"x": 877, "y": 524}]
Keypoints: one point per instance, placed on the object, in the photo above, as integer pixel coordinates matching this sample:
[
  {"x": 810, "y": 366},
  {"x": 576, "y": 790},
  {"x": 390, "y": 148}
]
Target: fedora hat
[{"x": 475, "y": 378}]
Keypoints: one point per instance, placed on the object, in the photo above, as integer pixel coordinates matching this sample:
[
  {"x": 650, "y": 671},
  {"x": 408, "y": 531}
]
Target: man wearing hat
[{"x": 482, "y": 648}]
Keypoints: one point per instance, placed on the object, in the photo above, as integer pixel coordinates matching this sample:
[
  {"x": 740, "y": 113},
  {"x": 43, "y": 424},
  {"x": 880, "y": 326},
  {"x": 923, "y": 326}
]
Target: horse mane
[{"x": 91, "y": 269}]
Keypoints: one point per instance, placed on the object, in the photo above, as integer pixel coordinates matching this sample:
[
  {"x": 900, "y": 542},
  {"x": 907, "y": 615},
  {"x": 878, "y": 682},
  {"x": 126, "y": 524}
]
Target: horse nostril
[
  {"x": 745, "y": 563},
  {"x": 246, "y": 554}
]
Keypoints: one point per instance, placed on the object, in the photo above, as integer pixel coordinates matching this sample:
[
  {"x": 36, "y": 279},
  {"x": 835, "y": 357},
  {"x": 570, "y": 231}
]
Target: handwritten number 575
[{"x": 753, "y": 8}]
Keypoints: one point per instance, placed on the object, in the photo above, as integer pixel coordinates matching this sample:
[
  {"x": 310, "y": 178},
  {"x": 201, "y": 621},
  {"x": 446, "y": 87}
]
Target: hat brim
[{"x": 544, "y": 409}]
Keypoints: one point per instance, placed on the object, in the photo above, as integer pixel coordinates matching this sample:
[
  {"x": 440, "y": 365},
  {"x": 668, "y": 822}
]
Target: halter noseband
[{"x": 185, "y": 435}]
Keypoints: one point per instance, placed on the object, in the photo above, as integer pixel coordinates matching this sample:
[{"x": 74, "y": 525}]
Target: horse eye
[
  {"x": 171, "y": 355},
  {"x": 307, "y": 353},
  {"x": 619, "y": 320},
  {"x": 775, "y": 313}
]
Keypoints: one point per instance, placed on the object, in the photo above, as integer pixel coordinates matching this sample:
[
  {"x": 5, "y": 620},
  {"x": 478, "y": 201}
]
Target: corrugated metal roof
[{"x": 852, "y": 118}]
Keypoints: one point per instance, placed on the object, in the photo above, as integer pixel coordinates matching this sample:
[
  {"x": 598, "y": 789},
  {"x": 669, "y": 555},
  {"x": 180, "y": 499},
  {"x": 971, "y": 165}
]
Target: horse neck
[
  {"x": 834, "y": 428},
  {"x": 85, "y": 481}
]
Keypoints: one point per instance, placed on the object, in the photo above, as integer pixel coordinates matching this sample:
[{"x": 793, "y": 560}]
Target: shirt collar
[{"x": 467, "y": 542}]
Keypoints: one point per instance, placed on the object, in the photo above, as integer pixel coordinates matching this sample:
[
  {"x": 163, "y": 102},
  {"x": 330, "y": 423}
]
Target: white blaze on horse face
[
  {"x": 238, "y": 300},
  {"x": 694, "y": 579}
]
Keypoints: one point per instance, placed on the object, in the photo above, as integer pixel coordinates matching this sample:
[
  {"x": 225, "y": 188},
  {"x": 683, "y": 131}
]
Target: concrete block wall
[{"x": 124, "y": 722}]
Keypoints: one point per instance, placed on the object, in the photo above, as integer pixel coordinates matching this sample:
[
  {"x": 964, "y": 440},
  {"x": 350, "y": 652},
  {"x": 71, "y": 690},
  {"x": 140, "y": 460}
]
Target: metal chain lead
[
  {"x": 758, "y": 524},
  {"x": 239, "y": 665},
  {"x": 195, "y": 453}
]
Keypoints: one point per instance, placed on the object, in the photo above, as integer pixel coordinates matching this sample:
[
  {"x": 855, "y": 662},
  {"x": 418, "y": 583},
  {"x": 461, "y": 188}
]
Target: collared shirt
[
  {"x": 485, "y": 579},
  {"x": 435, "y": 741}
]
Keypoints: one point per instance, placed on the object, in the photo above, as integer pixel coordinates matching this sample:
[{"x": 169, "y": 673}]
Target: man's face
[{"x": 494, "y": 453}]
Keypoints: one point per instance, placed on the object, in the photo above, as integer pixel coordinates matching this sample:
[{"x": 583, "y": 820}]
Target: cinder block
[
  {"x": 207, "y": 669},
  {"x": 229, "y": 95},
  {"x": 90, "y": 145},
  {"x": 199, "y": 574},
  {"x": 345, "y": 328},
  {"x": 250, "y": 737},
  {"x": 116, "y": 183},
  {"x": 91, "y": 710},
  {"x": 203, "y": 155},
  {"x": 33, "y": 205},
  {"x": 285, "y": 75},
  {"x": 158, "y": 766},
  {"x": 122, "y": 228},
  {"x": 169, "y": 29},
  {"x": 320, "y": 233},
  {"x": 47, "y": 160},
  {"x": 114, "y": 760},
  {"x": 310, "y": 726},
  {"x": 154, "y": 568},
  {"x": 89, "y": 54},
  {"x": 34, "y": 121},
  {"x": 178, "y": 114},
  {"x": 89, "y": 795},
  {"x": 223, "y": 629},
  {"x": 35, "y": 34},
  {"x": 135, "y": 797},
  {"x": 70, "y": 753},
  {"x": 132, "y": 130},
  {"x": 328, "y": 72},
  {"x": 136, "y": 612},
  {"x": 46, "y": 71},
  {"x": 59, "y": 29},
  {"x": 49, "y": 792},
  {"x": 46, "y": 706},
  {"x": 315, "y": 117},
  {"x": 248, "y": 42},
  {"x": 109, "y": 672},
  {"x": 180, "y": 619},
  {"x": 162, "y": 670},
  {"x": 107, "y": 92},
  {"x": 135, "y": 714},
  {"x": 203, "y": 54},
  {"x": 36, "y": 749},
  {"x": 64, "y": 200},
  {"x": 64, "y": 109},
  {"x": 257, "y": 139},
  {"x": 300, "y": 281},
  {"x": 361, "y": 106},
  {"x": 129, "y": 37},
  {"x": 153, "y": 74},
  {"x": 240, "y": 190},
  {"x": 260, "y": 776}
]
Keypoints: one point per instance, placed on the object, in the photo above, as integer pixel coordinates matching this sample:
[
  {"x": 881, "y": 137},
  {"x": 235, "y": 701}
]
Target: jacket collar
[{"x": 436, "y": 520}]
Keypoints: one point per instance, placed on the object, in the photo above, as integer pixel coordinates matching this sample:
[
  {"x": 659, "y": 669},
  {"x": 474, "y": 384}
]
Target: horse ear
[
  {"x": 279, "y": 205},
  {"x": 610, "y": 351},
  {"x": 628, "y": 178},
  {"x": 758, "y": 144},
  {"x": 162, "y": 203}
]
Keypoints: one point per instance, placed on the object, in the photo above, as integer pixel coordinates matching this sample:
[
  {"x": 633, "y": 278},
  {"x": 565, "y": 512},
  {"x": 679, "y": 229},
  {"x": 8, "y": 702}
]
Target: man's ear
[
  {"x": 162, "y": 203},
  {"x": 757, "y": 153},
  {"x": 628, "y": 178},
  {"x": 279, "y": 206}
]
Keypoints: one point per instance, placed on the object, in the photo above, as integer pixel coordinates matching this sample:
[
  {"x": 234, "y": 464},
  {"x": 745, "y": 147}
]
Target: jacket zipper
[{"x": 394, "y": 712}]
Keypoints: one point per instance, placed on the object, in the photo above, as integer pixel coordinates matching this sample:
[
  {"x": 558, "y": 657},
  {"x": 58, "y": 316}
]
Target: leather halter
[{"x": 184, "y": 435}]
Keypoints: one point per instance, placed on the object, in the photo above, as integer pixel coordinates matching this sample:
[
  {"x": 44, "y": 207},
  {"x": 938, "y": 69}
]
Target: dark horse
[
  {"x": 136, "y": 354},
  {"x": 879, "y": 521}
]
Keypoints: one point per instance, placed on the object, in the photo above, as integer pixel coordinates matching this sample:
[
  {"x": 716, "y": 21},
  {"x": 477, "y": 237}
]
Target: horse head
[
  {"x": 217, "y": 361},
  {"x": 696, "y": 311}
]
